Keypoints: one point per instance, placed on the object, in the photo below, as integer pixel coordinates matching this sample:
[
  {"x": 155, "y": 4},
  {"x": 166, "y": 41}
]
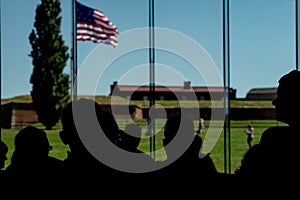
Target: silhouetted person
[
  {"x": 131, "y": 137},
  {"x": 130, "y": 141},
  {"x": 80, "y": 163},
  {"x": 30, "y": 160},
  {"x": 5, "y": 183},
  {"x": 83, "y": 165},
  {"x": 189, "y": 165},
  {"x": 3, "y": 158},
  {"x": 274, "y": 160},
  {"x": 87, "y": 169}
]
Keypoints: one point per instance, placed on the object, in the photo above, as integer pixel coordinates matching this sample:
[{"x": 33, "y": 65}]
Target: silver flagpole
[
  {"x": 152, "y": 75},
  {"x": 0, "y": 45},
  {"x": 226, "y": 74},
  {"x": 297, "y": 33},
  {"x": 74, "y": 53}
]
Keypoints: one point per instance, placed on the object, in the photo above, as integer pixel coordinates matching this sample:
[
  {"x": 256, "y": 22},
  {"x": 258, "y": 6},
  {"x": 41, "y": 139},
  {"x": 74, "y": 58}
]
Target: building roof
[
  {"x": 132, "y": 88},
  {"x": 271, "y": 90}
]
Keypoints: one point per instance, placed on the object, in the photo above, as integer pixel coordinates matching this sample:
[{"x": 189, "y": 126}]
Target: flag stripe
[
  {"x": 93, "y": 25},
  {"x": 97, "y": 30},
  {"x": 87, "y": 36}
]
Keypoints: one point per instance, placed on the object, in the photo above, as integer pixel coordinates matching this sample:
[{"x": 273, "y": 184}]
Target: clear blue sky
[{"x": 262, "y": 41}]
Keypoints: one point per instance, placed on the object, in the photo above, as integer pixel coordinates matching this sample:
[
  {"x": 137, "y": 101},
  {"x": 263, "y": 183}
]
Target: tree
[{"x": 50, "y": 86}]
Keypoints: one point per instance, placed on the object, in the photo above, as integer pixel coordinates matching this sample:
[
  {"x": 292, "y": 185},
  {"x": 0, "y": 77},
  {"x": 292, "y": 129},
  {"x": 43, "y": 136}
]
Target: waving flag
[{"x": 93, "y": 25}]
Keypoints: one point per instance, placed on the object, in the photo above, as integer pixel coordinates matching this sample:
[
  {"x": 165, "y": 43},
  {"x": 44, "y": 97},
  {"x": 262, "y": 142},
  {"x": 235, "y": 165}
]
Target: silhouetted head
[
  {"x": 69, "y": 134},
  {"x": 175, "y": 125},
  {"x": 3, "y": 152},
  {"x": 287, "y": 106},
  {"x": 131, "y": 137},
  {"x": 188, "y": 144},
  {"x": 31, "y": 143}
]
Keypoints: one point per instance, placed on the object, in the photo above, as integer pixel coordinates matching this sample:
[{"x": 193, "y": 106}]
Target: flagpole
[
  {"x": 0, "y": 45},
  {"x": 297, "y": 33},
  {"x": 74, "y": 53},
  {"x": 152, "y": 75},
  {"x": 226, "y": 76}
]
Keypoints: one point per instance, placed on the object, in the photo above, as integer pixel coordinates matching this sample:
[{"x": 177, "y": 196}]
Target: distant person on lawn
[
  {"x": 250, "y": 134},
  {"x": 274, "y": 160},
  {"x": 201, "y": 126}
]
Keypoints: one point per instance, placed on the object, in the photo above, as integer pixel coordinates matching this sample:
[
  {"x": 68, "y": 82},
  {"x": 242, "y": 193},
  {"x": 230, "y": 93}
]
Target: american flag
[{"x": 93, "y": 25}]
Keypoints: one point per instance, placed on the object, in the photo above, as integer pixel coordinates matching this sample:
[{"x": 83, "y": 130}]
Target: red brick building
[
  {"x": 184, "y": 92},
  {"x": 18, "y": 114},
  {"x": 262, "y": 93}
]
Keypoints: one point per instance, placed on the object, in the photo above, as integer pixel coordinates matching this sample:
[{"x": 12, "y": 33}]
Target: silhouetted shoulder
[
  {"x": 274, "y": 134},
  {"x": 279, "y": 136}
]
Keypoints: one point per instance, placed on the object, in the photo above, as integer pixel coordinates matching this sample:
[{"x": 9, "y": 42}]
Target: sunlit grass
[
  {"x": 237, "y": 138},
  {"x": 165, "y": 103}
]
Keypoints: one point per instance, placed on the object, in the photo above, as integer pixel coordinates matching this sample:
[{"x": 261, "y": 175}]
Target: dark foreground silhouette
[
  {"x": 87, "y": 162},
  {"x": 274, "y": 162}
]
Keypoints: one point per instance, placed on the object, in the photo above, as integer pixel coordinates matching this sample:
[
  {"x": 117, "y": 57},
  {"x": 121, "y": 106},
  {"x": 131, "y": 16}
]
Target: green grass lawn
[{"x": 238, "y": 140}]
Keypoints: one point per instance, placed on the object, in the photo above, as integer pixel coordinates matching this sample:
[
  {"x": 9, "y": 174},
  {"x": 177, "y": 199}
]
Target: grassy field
[
  {"x": 169, "y": 103},
  {"x": 238, "y": 140}
]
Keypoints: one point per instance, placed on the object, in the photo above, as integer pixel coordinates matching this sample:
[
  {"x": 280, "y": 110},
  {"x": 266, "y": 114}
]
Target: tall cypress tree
[{"x": 50, "y": 86}]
